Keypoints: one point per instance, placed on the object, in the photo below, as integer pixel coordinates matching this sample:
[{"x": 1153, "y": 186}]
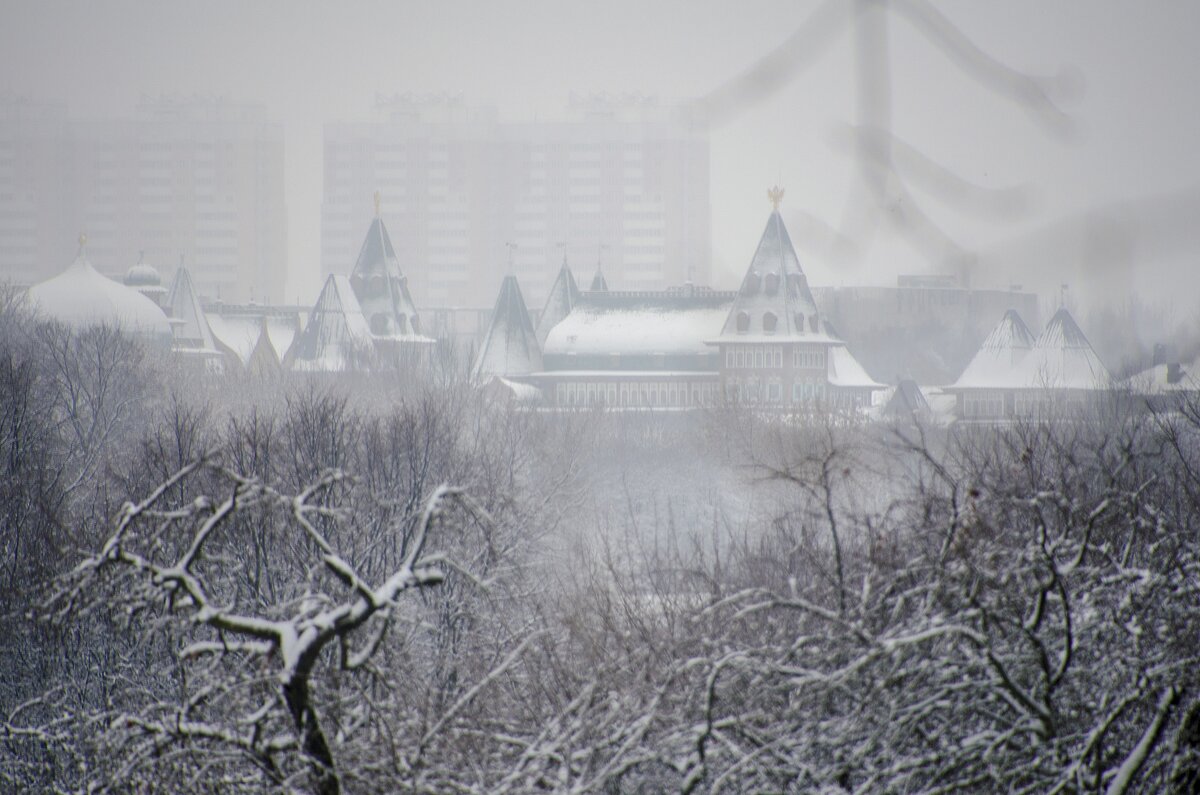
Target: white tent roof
[
  {"x": 845, "y": 371},
  {"x": 510, "y": 346},
  {"x": 996, "y": 364},
  {"x": 1062, "y": 358},
  {"x": 190, "y": 326},
  {"x": 335, "y": 333}
]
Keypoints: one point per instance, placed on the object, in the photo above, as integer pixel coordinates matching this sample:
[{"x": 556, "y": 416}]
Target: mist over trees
[{"x": 397, "y": 583}]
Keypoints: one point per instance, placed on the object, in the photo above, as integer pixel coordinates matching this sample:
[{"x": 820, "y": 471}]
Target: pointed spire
[
  {"x": 378, "y": 201},
  {"x": 599, "y": 283},
  {"x": 510, "y": 346},
  {"x": 336, "y": 335},
  {"x": 563, "y": 297},
  {"x": 82, "y": 244},
  {"x": 774, "y": 298},
  {"x": 380, "y": 287},
  {"x": 189, "y": 324}
]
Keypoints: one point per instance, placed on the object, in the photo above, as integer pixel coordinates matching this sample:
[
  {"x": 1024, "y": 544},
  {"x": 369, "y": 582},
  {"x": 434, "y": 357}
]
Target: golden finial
[
  {"x": 378, "y": 199},
  {"x": 775, "y": 194}
]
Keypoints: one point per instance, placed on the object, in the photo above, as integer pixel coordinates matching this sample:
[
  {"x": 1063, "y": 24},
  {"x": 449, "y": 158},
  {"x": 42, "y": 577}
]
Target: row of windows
[
  {"x": 993, "y": 405},
  {"x": 771, "y": 356},
  {"x": 635, "y": 394},
  {"x": 772, "y": 392},
  {"x": 740, "y": 356}
]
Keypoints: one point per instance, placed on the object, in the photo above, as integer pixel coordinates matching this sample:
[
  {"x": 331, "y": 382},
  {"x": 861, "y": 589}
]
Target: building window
[
  {"x": 799, "y": 319},
  {"x": 774, "y": 392},
  {"x": 743, "y": 322},
  {"x": 752, "y": 283},
  {"x": 812, "y": 323},
  {"x": 770, "y": 321},
  {"x": 772, "y": 283}
]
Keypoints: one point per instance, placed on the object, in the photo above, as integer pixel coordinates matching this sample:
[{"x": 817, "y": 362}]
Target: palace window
[
  {"x": 743, "y": 322},
  {"x": 770, "y": 321}
]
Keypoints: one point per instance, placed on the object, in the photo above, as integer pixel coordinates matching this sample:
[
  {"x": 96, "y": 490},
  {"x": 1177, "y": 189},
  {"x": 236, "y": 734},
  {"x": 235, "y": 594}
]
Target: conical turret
[
  {"x": 774, "y": 298},
  {"x": 381, "y": 288},
  {"x": 336, "y": 335},
  {"x": 510, "y": 346},
  {"x": 996, "y": 364},
  {"x": 563, "y": 297}
]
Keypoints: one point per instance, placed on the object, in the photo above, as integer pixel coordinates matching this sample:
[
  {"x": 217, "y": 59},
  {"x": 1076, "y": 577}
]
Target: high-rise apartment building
[
  {"x": 619, "y": 180},
  {"x": 198, "y": 178}
]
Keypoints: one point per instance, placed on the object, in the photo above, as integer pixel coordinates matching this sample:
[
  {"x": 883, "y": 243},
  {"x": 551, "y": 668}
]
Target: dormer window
[
  {"x": 770, "y": 321},
  {"x": 799, "y": 319},
  {"x": 772, "y": 283},
  {"x": 743, "y": 322},
  {"x": 812, "y": 323}
]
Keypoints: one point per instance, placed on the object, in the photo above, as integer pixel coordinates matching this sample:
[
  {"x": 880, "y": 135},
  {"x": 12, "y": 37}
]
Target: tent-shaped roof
[
  {"x": 381, "y": 288},
  {"x": 336, "y": 335},
  {"x": 81, "y": 297},
  {"x": 510, "y": 346},
  {"x": 563, "y": 297},
  {"x": 1062, "y": 358},
  {"x": 843, "y": 370},
  {"x": 599, "y": 284},
  {"x": 996, "y": 365},
  {"x": 774, "y": 299},
  {"x": 906, "y": 402},
  {"x": 188, "y": 323}
]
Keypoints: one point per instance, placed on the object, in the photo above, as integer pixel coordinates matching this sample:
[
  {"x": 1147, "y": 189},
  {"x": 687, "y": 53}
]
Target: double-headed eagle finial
[{"x": 775, "y": 194}]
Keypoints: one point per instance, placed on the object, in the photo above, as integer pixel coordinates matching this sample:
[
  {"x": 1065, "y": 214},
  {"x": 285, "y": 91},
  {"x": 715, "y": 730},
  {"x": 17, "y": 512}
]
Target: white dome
[
  {"x": 81, "y": 296},
  {"x": 142, "y": 275}
]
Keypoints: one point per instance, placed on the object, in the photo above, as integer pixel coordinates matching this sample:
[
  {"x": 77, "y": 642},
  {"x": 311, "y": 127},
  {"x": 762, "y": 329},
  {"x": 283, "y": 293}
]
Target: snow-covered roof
[
  {"x": 1166, "y": 379},
  {"x": 188, "y": 323},
  {"x": 514, "y": 390},
  {"x": 336, "y": 332},
  {"x": 1062, "y": 358},
  {"x": 639, "y": 324},
  {"x": 559, "y": 303},
  {"x": 142, "y": 274},
  {"x": 510, "y": 346},
  {"x": 382, "y": 289},
  {"x": 844, "y": 370},
  {"x": 81, "y": 296},
  {"x": 906, "y": 400},
  {"x": 996, "y": 363},
  {"x": 774, "y": 299}
]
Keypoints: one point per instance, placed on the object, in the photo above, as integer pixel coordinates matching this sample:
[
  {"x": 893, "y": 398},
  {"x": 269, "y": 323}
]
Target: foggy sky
[{"x": 1131, "y": 166}]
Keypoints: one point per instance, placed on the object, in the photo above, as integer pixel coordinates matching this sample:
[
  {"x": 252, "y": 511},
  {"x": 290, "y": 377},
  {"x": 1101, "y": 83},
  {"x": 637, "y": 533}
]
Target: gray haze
[{"x": 1109, "y": 198}]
